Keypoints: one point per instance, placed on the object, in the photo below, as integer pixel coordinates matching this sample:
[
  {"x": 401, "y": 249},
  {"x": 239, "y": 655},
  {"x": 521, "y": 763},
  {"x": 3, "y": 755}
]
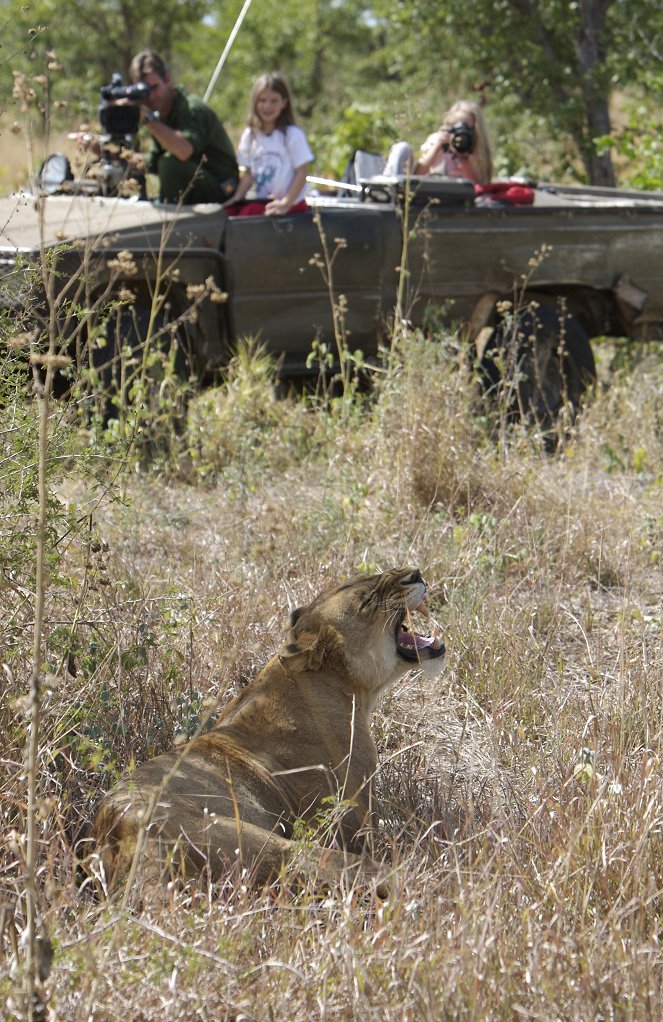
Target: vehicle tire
[
  {"x": 536, "y": 362},
  {"x": 116, "y": 360}
]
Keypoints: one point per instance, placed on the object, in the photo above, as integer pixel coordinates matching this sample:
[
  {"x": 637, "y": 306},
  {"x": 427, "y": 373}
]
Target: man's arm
[{"x": 174, "y": 142}]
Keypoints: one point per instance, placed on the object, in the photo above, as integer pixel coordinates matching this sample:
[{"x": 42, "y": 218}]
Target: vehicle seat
[
  {"x": 367, "y": 165},
  {"x": 362, "y": 166}
]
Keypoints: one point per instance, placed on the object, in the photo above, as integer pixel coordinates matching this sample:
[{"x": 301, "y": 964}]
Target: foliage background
[{"x": 555, "y": 76}]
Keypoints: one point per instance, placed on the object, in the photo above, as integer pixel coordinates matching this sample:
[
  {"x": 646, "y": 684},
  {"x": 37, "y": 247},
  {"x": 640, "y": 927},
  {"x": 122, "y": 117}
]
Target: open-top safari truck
[{"x": 572, "y": 264}]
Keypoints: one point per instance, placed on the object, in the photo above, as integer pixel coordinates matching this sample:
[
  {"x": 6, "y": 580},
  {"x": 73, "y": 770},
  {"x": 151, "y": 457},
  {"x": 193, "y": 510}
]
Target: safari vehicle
[{"x": 590, "y": 258}]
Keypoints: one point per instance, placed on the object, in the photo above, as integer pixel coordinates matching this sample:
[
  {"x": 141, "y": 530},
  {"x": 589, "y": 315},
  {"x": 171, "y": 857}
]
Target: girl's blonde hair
[
  {"x": 275, "y": 82},
  {"x": 481, "y": 155}
]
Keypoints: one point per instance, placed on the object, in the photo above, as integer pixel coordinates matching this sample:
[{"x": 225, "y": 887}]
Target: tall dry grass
[
  {"x": 14, "y": 167},
  {"x": 520, "y": 795}
]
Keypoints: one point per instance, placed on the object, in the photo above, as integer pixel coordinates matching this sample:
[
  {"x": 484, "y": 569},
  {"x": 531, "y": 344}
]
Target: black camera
[
  {"x": 462, "y": 137},
  {"x": 121, "y": 121}
]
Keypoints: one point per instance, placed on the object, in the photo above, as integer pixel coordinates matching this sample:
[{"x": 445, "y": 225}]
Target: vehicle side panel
[
  {"x": 283, "y": 286},
  {"x": 454, "y": 257}
]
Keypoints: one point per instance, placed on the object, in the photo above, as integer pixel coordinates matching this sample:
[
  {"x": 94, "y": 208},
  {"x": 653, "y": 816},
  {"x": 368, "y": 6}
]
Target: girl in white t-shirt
[{"x": 273, "y": 152}]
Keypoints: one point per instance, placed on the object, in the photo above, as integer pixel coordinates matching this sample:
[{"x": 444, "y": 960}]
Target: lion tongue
[{"x": 412, "y": 640}]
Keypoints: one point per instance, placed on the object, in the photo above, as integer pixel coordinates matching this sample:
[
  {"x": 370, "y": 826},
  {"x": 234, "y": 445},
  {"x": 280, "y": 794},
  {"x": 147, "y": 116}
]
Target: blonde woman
[{"x": 459, "y": 148}]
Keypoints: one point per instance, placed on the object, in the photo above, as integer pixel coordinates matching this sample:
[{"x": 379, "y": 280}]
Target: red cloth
[
  {"x": 513, "y": 192},
  {"x": 258, "y": 208}
]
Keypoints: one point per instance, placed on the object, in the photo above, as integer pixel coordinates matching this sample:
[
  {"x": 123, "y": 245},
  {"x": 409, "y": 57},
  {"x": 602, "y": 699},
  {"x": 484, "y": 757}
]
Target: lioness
[{"x": 298, "y": 733}]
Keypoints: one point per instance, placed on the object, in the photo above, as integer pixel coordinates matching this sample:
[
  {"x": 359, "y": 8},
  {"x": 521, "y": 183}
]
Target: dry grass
[
  {"x": 14, "y": 167},
  {"x": 528, "y": 872}
]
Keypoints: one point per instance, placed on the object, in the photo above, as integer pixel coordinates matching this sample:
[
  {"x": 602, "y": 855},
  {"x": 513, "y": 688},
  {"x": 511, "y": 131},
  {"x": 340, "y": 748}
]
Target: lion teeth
[{"x": 412, "y": 640}]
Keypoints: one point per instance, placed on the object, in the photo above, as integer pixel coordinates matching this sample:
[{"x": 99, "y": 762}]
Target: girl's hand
[{"x": 277, "y": 207}]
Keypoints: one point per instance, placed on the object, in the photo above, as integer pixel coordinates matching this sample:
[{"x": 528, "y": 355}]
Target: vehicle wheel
[
  {"x": 118, "y": 361},
  {"x": 536, "y": 362}
]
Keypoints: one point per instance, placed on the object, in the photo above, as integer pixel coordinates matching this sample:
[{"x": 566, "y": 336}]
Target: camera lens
[{"x": 462, "y": 137}]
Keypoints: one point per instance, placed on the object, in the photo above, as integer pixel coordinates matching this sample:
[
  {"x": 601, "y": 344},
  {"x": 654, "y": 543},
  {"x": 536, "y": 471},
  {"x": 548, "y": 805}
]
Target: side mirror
[{"x": 54, "y": 171}]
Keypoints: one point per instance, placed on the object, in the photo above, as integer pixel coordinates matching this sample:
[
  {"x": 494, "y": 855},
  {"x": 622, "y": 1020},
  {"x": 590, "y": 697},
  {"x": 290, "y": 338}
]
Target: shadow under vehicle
[{"x": 589, "y": 258}]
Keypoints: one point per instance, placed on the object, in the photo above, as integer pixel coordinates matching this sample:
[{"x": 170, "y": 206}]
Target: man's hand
[
  {"x": 135, "y": 160},
  {"x": 85, "y": 141}
]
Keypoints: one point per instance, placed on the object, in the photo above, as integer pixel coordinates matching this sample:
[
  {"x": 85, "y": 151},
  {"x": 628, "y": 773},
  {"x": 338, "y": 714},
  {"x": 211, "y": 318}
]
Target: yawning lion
[{"x": 299, "y": 733}]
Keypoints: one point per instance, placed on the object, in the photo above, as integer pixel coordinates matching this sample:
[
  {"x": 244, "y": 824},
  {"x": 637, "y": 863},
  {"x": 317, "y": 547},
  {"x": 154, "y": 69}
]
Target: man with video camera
[{"x": 190, "y": 152}]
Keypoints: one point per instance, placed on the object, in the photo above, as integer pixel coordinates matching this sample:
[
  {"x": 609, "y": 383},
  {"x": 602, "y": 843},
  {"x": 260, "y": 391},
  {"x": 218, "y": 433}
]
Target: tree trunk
[
  {"x": 600, "y": 170},
  {"x": 591, "y": 55}
]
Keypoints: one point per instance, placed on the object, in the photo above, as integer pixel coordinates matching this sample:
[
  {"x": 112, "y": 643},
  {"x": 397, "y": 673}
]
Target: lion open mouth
[{"x": 413, "y": 646}]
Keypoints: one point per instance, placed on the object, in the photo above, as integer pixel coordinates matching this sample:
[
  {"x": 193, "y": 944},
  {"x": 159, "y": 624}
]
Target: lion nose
[{"x": 413, "y": 579}]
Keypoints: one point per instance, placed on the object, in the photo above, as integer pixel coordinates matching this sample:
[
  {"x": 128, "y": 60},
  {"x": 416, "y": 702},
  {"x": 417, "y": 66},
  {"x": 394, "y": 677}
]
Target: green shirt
[{"x": 200, "y": 125}]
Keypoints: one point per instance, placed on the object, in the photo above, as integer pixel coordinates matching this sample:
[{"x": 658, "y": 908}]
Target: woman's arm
[{"x": 430, "y": 153}]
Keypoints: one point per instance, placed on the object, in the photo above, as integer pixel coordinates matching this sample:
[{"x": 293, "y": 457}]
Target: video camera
[
  {"x": 121, "y": 121},
  {"x": 462, "y": 137}
]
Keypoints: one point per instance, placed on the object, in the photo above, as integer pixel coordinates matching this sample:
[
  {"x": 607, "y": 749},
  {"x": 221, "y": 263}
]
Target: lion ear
[
  {"x": 310, "y": 651},
  {"x": 295, "y": 616}
]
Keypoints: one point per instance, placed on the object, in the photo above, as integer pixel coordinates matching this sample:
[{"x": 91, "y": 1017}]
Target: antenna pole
[{"x": 226, "y": 49}]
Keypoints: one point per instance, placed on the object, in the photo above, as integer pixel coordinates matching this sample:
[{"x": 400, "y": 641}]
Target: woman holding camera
[{"x": 459, "y": 148}]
